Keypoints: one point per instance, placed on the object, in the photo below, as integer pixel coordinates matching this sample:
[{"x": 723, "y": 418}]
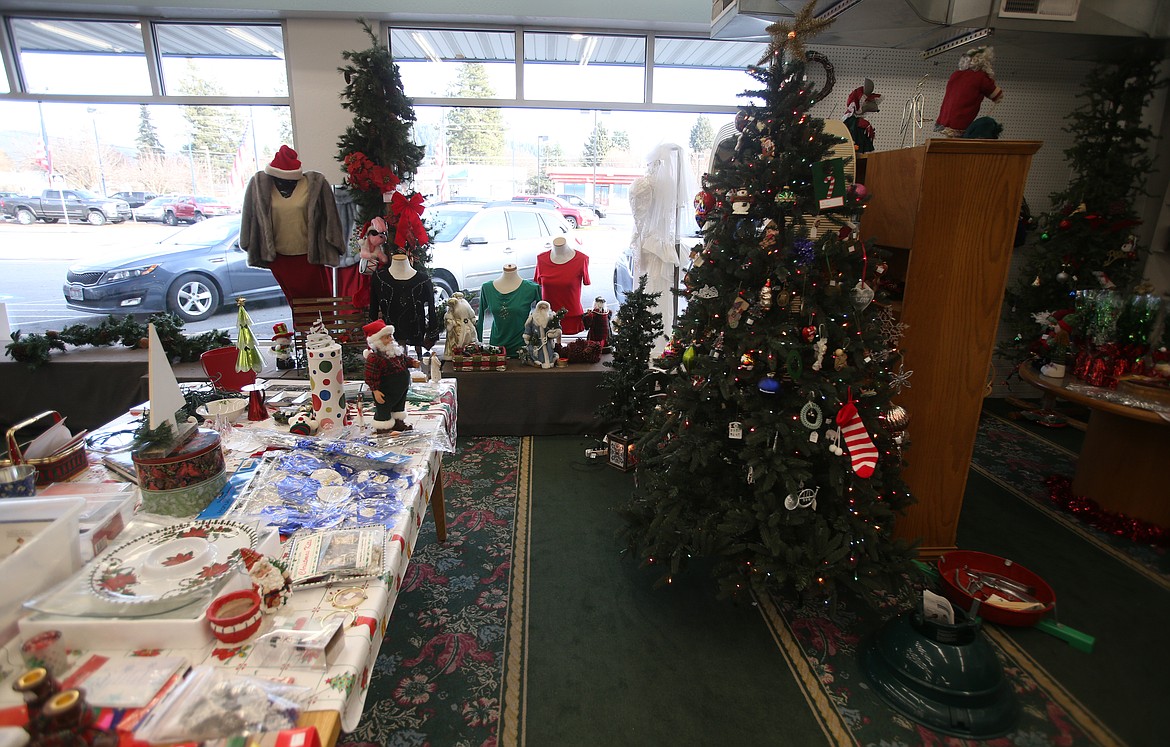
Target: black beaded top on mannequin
[{"x": 285, "y": 186}]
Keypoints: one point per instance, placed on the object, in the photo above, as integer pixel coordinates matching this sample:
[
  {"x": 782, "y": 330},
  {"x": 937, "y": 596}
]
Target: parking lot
[{"x": 34, "y": 260}]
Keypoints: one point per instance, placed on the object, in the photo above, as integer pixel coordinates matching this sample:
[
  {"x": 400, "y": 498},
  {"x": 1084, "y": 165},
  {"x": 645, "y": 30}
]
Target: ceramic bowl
[
  {"x": 230, "y": 409},
  {"x": 235, "y": 616},
  {"x": 18, "y": 481}
]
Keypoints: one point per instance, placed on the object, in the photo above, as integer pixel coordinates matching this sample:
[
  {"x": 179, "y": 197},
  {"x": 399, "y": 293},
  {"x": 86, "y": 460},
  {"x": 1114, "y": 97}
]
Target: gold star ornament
[{"x": 790, "y": 37}]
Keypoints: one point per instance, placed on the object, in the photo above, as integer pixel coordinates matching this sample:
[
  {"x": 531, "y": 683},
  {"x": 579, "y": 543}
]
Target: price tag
[
  {"x": 735, "y": 430},
  {"x": 814, "y": 437}
]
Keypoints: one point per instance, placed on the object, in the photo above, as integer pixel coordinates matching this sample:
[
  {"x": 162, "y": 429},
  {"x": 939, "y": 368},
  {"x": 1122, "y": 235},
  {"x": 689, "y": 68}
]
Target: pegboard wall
[{"x": 1038, "y": 95}]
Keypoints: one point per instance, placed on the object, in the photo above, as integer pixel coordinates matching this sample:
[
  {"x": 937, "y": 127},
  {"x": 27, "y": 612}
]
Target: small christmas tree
[
  {"x": 638, "y": 327},
  {"x": 377, "y": 151},
  {"x": 775, "y": 454},
  {"x": 1086, "y": 241}
]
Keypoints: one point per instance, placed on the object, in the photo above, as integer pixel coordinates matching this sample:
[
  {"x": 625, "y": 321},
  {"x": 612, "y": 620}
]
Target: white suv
[{"x": 471, "y": 243}]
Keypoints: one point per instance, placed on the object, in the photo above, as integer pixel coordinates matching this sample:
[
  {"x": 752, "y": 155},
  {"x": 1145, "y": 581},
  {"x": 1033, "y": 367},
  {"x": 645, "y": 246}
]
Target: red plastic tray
[{"x": 958, "y": 562}]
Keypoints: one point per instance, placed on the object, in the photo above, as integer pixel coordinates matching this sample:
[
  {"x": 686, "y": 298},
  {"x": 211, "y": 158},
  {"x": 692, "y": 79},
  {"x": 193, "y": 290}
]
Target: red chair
[{"x": 220, "y": 367}]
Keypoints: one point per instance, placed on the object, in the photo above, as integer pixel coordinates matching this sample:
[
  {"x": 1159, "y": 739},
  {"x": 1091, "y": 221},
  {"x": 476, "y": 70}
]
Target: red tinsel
[
  {"x": 408, "y": 214},
  {"x": 368, "y": 176},
  {"x": 1090, "y": 512}
]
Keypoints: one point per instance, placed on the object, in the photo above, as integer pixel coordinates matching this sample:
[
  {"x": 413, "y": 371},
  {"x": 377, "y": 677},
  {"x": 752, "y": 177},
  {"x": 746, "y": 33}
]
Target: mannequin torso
[
  {"x": 508, "y": 281},
  {"x": 561, "y": 251},
  {"x": 400, "y": 268}
]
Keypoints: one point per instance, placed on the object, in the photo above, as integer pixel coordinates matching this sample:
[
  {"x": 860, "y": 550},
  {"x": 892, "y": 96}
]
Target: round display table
[{"x": 1123, "y": 462}]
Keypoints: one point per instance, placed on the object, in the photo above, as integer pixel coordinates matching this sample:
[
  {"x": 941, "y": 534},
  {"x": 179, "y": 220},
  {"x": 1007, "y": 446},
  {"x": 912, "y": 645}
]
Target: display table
[
  {"x": 338, "y": 691},
  {"x": 1122, "y": 460}
]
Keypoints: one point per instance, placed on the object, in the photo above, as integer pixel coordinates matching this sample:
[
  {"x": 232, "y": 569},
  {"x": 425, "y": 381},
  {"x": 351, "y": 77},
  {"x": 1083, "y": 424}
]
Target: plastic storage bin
[{"x": 38, "y": 548}]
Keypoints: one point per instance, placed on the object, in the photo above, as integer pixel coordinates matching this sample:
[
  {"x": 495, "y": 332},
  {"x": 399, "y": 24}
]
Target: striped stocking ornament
[{"x": 862, "y": 453}]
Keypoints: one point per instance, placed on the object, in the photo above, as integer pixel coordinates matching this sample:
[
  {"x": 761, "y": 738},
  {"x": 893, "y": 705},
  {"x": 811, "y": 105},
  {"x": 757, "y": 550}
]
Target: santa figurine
[
  {"x": 282, "y": 346},
  {"x": 370, "y": 250},
  {"x": 269, "y": 578},
  {"x": 966, "y": 89},
  {"x": 541, "y": 336},
  {"x": 388, "y": 376},
  {"x": 860, "y": 102},
  {"x": 597, "y": 323}
]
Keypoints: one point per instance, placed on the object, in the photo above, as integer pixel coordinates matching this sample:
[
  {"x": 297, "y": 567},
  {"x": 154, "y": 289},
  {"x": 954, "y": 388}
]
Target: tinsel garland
[
  {"x": 1090, "y": 512},
  {"x": 34, "y": 349}
]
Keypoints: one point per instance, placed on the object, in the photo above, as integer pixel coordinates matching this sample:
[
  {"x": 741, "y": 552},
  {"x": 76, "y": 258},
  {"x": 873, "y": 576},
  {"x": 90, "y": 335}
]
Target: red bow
[{"x": 409, "y": 212}]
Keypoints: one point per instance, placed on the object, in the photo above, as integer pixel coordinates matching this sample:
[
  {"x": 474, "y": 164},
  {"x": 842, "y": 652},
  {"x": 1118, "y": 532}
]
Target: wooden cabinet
[{"x": 948, "y": 211}]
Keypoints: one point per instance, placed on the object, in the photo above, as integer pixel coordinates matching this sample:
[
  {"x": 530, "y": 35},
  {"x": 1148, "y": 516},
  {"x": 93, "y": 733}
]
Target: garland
[{"x": 34, "y": 349}]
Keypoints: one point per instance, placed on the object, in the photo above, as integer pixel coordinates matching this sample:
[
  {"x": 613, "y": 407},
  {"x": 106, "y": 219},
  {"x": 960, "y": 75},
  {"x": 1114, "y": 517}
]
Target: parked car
[
  {"x": 155, "y": 210},
  {"x": 471, "y": 243},
  {"x": 574, "y": 217},
  {"x": 191, "y": 272},
  {"x": 578, "y": 203},
  {"x": 135, "y": 199},
  {"x": 75, "y": 204}
]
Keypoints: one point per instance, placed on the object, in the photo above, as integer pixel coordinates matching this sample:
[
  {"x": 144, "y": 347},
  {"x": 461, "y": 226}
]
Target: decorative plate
[{"x": 171, "y": 562}]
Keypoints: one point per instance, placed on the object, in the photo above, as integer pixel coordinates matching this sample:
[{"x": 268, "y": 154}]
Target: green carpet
[
  {"x": 529, "y": 627},
  {"x": 611, "y": 660}
]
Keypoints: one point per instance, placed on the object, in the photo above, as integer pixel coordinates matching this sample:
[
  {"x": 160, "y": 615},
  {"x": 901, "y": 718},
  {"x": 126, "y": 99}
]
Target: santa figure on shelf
[
  {"x": 388, "y": 376},
  {"x": 269, "y": 578},
  {"x": 598, "y": 324},
  {"x": 282, "y": 346},
  {"x": 541, "y": 336}
]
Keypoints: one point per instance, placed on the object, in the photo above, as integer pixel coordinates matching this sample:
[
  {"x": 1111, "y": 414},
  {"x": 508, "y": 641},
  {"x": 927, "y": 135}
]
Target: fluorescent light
[
  {"x": 426, "y": 47},
  {"x": 835, "y": 10},
  {"x": 958, "y": 41},
  {"x": 576, "y": 37},
  {"x": 84, "y": 39},
  {"x": 244, "y": 36},
  {"x": 588, "y": 50}
]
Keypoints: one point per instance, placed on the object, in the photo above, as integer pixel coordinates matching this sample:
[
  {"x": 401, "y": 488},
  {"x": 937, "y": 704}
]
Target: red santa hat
[
  {"x": 285, "y": 164},
  {"x": 377, "y": 328}
]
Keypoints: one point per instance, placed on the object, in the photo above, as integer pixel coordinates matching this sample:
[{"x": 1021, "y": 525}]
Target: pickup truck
[{"x": 54, "y": 204}]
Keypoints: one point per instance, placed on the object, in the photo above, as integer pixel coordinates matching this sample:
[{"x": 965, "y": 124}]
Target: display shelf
[{"x": 947, "y": 210}]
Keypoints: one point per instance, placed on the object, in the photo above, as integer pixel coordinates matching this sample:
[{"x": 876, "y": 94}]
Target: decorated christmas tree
[
  {"x": 1086, "y": 242},
  {"x": 376, "y": 148},
  {"x": 775, "y": 453},
  {"x": 637, "y": 329}
]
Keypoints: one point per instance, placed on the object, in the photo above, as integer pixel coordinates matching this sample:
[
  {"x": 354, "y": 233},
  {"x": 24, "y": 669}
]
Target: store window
[
  {"x": 710, "y": 72},
  {"x": 59, "y": 56},
  {"x": 584, "y": 67},
  {"x": 437, "y": 63},
  {"x": 218, "y": 60}
]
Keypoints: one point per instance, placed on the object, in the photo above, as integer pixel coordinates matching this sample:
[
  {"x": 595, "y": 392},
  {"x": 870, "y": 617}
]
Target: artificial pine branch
[
  {"x": 1084, "y": 242},
  {"x": 34, "y": 349}
]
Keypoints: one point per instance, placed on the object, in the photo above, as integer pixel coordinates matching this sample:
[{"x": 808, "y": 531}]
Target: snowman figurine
[{"x": 741, "y": 201}]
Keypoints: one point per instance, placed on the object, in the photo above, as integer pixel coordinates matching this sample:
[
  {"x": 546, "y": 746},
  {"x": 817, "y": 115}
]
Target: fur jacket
[{"x": 326, "y": 241}]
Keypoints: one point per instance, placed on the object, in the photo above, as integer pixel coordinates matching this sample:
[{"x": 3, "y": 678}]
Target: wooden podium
[{"x": 947, "y": 210}]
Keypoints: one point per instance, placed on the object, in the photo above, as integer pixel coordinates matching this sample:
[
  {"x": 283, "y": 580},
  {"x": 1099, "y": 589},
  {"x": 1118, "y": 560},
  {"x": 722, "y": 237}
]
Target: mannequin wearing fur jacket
[{"x": 290, "y": 225}]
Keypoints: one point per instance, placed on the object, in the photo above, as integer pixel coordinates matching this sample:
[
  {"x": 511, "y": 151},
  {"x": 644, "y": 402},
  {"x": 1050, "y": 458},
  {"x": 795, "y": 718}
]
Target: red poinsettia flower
[
  {"x": 118, "y": 581},
  {"x": 178, "y": 558},
  {"x": 213, "y": 570},
  {"x": 194, "y": 532}
]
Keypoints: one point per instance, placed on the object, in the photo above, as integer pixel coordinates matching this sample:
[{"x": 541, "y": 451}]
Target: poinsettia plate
[{"x": 171, "y": 562}]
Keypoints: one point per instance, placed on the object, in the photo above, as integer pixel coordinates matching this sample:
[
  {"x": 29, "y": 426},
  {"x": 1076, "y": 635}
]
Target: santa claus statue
[
  {"x": 459, "y": 320},
  {"x": 862, "y": 101},
  {"x": 597, "y": 323},
  {"x": 966, "y": 89},
  {"x": 541, "y": 336},
  {"x": 388, "y": 376}
]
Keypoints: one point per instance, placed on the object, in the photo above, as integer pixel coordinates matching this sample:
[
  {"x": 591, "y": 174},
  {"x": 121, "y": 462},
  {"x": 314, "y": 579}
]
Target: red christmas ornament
[
  {"x": 859, "y": 192},
  {"x": 809, "y": 333},
  {"x": 1064, "y": 224}
]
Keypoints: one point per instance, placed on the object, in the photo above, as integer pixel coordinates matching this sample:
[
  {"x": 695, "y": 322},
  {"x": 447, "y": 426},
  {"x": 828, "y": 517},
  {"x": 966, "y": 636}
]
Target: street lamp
[
  {"x": 98, "y": 144},
  {"x": 539, "y": 172}
]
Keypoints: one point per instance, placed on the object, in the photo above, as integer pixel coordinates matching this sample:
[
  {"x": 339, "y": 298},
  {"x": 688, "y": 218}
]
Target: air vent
[{"x": 1040, "y": 10}]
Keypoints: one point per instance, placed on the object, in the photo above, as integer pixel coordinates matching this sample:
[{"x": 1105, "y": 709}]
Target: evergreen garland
[
  {"x": 34, "y": 349},
  {"x": 636, "y": 329},
  {"x": 1085, "y": 242}
]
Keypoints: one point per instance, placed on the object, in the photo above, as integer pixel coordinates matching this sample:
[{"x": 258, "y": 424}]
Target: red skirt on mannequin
[
  {"x": 299, "y": 279},
  {"x": 353, "y": 284}
]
